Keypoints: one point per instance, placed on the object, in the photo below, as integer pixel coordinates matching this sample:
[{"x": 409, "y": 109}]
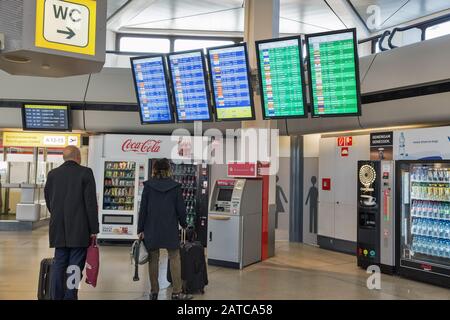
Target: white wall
[
  {"x": 311, "y": 143},
  {"x": 338, "y": 207}
]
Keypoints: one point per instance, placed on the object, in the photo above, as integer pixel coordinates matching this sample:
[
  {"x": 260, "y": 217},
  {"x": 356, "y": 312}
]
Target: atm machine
[
  {"x": 235, "y": 223},
  {"x": 376, "y": 220}
]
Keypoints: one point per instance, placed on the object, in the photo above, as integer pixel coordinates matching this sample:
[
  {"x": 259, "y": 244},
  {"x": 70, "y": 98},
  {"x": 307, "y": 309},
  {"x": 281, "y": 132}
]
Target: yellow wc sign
[{"x": 68, "y": 26}]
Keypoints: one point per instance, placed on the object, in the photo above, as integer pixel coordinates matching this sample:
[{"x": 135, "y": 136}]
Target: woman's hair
[{"x": 161, "y": 169}]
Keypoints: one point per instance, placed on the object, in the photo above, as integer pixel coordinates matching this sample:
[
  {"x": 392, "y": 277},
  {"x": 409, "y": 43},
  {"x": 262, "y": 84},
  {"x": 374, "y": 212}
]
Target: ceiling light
[{"x": 16, "y": 59}]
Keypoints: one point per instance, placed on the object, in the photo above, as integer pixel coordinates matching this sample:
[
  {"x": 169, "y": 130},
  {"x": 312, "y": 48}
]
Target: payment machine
[
  {"x": 376, "y": 220},
  {"x": 235, "y": 223}
]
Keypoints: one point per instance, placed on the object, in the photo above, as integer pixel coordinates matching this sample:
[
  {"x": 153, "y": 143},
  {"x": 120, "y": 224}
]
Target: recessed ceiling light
[
  {"x": 45, "y": 66},
  {"x": 16, "y": 59}
]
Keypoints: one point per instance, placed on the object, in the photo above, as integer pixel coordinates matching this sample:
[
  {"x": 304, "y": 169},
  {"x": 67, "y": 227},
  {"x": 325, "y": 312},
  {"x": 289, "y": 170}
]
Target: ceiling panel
[
  {"x": 307, "y": 16},
  {"x": 395, "y": 12},
  {"x": 226, "y": 21},
  {"x": 164, "y": 10},
  {"x": 297, "y": 16},
  {"x": 113, "y": 6}
]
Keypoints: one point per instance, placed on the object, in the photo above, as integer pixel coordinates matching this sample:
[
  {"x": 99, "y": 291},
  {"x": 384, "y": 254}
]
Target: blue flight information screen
[
  {"x": 229, "y": 72},
  {"x": 189, "y": 84},
  {"x": 151, "y": 89}
]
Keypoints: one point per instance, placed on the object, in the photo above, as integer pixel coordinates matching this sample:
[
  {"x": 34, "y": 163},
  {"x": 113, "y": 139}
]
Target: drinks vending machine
[
  {"x": 194, "y": 180},
  {"x": 376, "y": 221},
  {"x": 423, "y": 218}
]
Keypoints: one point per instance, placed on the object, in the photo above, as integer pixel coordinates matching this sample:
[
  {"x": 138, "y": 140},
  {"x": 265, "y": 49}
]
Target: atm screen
[{"x": 225, "y": 195}]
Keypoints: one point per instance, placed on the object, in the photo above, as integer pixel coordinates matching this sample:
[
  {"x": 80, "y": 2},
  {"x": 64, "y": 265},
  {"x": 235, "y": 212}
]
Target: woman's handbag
[
  {"x": 140, "y": 256},
  {"x": 92, "y": 262}
]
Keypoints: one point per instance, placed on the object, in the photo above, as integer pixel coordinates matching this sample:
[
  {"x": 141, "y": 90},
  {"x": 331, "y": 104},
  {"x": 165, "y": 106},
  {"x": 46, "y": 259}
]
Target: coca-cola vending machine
[{"x": 126, "y": 164}]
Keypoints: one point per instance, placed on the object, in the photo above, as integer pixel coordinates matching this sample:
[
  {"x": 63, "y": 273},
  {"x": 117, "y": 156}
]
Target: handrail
[
  {"x": 373, "y": 38},
  {"x": 380, "y": 43},
  {"x": 420, "y": 25}
]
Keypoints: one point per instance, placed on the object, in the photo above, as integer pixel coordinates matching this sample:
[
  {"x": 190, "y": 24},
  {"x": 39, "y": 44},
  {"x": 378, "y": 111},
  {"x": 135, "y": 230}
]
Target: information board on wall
[
  {"x": 281, "y": 78},
  {"x": 334, "y": 73},
  {"x": 188, "y": 77},
  {"x": 152, "y": 89},
  {"x": 231, "y": 83},
  {"x": 46, "y": 117},
  {"x": 41, "y": 139}
]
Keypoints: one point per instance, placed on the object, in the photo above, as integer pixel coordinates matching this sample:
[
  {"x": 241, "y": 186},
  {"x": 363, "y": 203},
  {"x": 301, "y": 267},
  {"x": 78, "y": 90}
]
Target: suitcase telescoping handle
[
  {"x": 136, "y": 261},
  {"x": 183, "y": 235},
  {"x": 136, "y": 272}
]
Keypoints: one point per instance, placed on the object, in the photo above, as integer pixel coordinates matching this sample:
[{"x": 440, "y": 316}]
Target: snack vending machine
[
  {"x": 423, "y": 213},
  {"x": 122, "y": 186},
  {"x": 376, "y": 221},
  {"x": 194, "y": 180}
]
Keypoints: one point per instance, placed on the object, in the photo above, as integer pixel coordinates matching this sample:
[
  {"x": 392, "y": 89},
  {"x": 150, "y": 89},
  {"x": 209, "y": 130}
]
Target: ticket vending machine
[
  {"x": 235, "y": 223},
  {"x": 376, "y": 220}
]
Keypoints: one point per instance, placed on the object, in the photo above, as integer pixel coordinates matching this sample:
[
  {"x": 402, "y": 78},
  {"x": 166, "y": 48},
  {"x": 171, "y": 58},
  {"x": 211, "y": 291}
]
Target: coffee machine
[{"x": 376, "y": 221}]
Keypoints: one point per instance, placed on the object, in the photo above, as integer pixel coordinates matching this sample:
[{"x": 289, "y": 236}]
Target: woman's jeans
[{"x": 175, "y": 270}]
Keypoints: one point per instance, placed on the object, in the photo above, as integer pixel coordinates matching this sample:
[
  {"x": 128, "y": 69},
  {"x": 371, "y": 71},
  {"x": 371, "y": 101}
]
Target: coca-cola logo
[{"x": 149, "y": 146}]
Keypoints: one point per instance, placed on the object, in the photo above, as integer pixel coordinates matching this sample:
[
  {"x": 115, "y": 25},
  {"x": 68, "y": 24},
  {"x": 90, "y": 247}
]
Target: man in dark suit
[{"x": 71, "y": 198}]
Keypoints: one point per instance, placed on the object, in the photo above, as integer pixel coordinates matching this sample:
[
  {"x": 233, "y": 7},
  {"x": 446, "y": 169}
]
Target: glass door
[
  {"x": 186, "y": 175},
  {"x": 119, "y": 186},
  {"x": 425, "y": 214}
]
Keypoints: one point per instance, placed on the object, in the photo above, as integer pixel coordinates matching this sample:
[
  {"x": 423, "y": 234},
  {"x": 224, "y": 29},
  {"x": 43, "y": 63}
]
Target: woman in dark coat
[{"x": 162, "y": 210}]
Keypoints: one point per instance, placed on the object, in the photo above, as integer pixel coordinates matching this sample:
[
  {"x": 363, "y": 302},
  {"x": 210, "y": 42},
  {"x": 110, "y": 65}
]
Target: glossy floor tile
[{"x": 296, "y": 272}]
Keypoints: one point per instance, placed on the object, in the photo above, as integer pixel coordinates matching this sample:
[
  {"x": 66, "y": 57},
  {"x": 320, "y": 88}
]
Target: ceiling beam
[
  {"x": 348, "y": 17},
  {"x": 127, "y": 13}
]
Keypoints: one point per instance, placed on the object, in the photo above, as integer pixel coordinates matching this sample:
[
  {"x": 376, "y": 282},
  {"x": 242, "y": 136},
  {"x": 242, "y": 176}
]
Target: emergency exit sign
[{"x": 68, "y": 26}]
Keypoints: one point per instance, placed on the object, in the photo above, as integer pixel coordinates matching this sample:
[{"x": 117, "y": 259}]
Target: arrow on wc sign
[{"x": 70, "y": 34}]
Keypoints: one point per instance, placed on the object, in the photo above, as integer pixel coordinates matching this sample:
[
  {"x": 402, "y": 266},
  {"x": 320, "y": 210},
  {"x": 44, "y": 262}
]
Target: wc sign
[{"x": 66, "y": 25}]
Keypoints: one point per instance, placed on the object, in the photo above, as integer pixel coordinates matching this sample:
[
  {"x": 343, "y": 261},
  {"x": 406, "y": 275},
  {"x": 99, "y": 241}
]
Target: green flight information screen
[
  {"x": 281, "y": 78},
  {"x": 334, "y": 74}
]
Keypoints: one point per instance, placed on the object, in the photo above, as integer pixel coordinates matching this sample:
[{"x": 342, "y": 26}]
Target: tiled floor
[{"x": 297, "y": 272}]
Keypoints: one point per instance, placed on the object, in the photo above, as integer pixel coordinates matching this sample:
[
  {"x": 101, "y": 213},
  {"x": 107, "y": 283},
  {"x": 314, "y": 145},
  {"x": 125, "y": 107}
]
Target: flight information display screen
[
  {"x": 231, "y": 82},
  {"x": 46, "y": 117},
  {"x": 152, "y": 89},
  {"x": 281, "y": 78},
  {"x": 188, "y": 77},
  {"x": 334, "y": 73}
]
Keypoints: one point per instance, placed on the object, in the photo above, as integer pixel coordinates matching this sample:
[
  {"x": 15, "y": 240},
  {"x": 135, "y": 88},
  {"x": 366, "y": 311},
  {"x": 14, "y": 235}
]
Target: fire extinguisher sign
[{"x": 345, "y": 141}]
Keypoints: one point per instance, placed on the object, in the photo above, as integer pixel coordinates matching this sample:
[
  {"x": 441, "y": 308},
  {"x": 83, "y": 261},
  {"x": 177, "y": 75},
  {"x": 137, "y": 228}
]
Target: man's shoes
[
  {"x": 181, "y": 296},
  {"x": 153, "y": 296}
]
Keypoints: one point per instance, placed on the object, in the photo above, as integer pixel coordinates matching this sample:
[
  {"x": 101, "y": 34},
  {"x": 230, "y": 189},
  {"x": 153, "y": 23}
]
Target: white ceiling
[
  {"x": 227, "y": 16},
  {"x": 297, "y": 16},
  {"x": 224, "y": 15},
  {"x": 395, "y": 12},
  {"x": 307, "y": 16},
  {"x": 114, "y": 6}
]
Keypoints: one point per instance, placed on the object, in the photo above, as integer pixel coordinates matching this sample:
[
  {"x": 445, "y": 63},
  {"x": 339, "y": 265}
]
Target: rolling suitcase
[
  {"x": 193, "y": 266},
  {"x": 45, "y": 273}
]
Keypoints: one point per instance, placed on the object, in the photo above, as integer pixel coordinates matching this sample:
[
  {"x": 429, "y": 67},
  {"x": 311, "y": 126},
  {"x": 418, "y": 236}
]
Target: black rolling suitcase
[
  {"x": 194, "y": 273},
  {"x": 45, "y": 273}
]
